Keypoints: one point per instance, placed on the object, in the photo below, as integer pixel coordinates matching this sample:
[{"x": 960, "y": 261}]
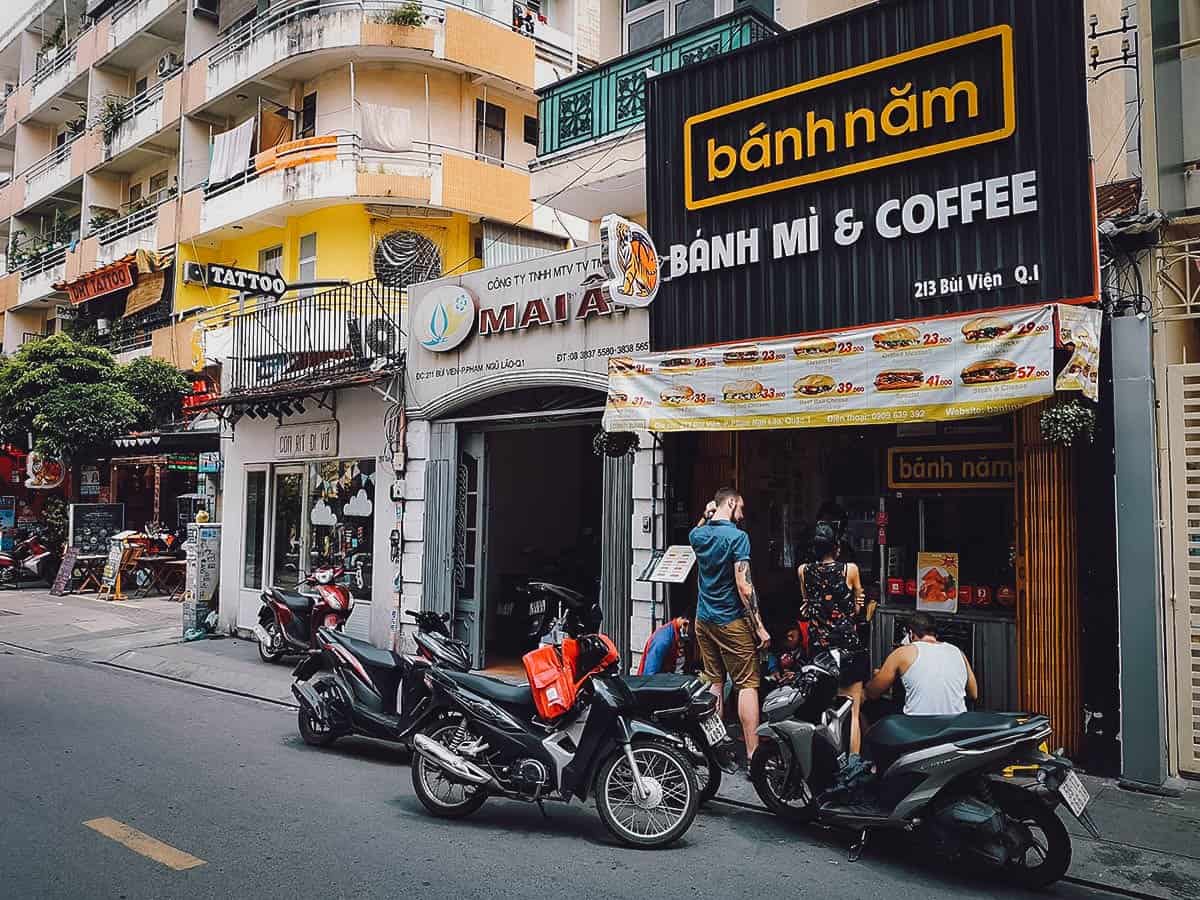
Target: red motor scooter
[
  {"x": 30, "y": 559},
  {"x": 288, "y": 620}
]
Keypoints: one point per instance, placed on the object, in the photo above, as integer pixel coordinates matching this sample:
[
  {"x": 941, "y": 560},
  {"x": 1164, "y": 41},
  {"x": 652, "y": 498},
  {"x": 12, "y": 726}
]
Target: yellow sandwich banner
[{"x": 940, "y": 369}]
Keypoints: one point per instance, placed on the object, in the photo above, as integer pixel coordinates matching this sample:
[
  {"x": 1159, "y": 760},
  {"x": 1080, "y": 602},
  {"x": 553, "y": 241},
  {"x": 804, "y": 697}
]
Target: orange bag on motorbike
[{"x": 551, "y": 680}]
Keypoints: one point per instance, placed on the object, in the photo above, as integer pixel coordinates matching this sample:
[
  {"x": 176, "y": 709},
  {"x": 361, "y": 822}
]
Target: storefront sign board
[
  {"x": 956, "y": 367},
  {"x": 89, "y": 481},
  {"x": 892, "y": 162},
  {"x": 552, "y": 315},
  {"x": 101, "y": 282},
  {"x": 670, "y": 566},
  {"x": 937, "y": 582},
  {"x": 8, "y": 522},
  {"x": 247, "y": 280},
  {"x": 307, "y": 440},
  {"x": 210, "y": 462},
  {"x": 951, "y": 467}
]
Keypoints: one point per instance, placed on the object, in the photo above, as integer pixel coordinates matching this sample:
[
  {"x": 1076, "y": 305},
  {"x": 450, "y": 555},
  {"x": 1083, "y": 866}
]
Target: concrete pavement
[
  {"x": 110, "y": 777},
  {"x": 1150, "y": 845}
]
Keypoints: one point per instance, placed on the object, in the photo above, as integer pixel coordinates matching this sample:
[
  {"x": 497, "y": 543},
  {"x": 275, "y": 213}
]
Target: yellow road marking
[{"x": 142, "y": 843}]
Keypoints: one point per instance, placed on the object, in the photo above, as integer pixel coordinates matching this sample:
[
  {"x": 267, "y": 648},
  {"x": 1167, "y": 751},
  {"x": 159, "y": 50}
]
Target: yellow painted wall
[{"x": 346, "y": 238}]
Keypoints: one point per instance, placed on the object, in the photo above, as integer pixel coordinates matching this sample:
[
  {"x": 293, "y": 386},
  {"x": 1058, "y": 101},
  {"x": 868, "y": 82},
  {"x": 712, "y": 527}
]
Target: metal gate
[
  {"x": 441, "y": 478},
  {"x": 616, "y": 554},
  {"x": 1183, "y": 417}
]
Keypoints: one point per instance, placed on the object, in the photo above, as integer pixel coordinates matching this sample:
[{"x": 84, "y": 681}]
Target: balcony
[
  {"x": 129, "y": 17},
  {"x": 145, "y": 114},
  {"x": 473, "y": 40},
  {"x": 53, "y": 73},
  {"x": 49, "y": 174},
  {"x": 141, "y": 226},
  {"x": 307, "y": 342},
  {"x": 582, "y": 116},
  {"x": 40, "y": 273},
  {"x": 301, "y": 175}
]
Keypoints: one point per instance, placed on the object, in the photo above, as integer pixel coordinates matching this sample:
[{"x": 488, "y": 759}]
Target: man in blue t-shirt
[{"x": 729, "y": 628}]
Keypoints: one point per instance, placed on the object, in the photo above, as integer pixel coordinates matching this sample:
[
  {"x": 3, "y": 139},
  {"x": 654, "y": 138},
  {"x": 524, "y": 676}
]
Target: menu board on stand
[
  {"x": 92, "y": 525},
  {"x": 203, "y": 548}
]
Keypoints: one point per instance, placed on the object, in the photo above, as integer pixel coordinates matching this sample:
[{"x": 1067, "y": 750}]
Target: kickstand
[
  {"x": 858, "y": 846},
  {"x": 542, "y": 807}
]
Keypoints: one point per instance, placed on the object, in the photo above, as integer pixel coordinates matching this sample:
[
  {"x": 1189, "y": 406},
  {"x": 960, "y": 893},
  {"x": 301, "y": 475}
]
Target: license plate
[
  {"x": 263, "y": 637},
  {"x": 714, "y": 729},
  {"x": 1074, "y": 794},
  {"x": 537, "y": 607}
]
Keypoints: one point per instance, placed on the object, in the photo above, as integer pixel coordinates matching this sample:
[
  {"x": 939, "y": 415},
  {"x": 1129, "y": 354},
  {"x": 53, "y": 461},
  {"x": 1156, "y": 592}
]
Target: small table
[
  {"x": 174, "y": 578},
  {"x": 165, "y": 574},
  {"x": 90, "y": 567}
]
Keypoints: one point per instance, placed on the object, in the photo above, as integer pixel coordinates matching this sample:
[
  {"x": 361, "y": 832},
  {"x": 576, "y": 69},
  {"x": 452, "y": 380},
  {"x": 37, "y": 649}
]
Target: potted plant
[
  {"x": 408, "y": 14},
  {"x": 113, "y": 111},
  {"x": 1067, "y": 422},
  {"x": 100, "y": 219}
]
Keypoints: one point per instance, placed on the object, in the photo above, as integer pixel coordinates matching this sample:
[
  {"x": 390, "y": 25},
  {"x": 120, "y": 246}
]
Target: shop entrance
[{"x": 529, "y": 507}]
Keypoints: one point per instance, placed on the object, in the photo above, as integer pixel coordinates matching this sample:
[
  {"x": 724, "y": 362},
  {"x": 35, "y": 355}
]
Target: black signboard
[
  {"x": 247, "y": 280},
  {"x": 952, "y": 467},
  {"x": 62, "y": 579},
  {"x": 903, "y": 160},
  {"x": 92, "y": 524}
]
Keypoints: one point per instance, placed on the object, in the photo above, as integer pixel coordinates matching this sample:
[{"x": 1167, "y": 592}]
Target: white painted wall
[{"x": 360, "y": 414}]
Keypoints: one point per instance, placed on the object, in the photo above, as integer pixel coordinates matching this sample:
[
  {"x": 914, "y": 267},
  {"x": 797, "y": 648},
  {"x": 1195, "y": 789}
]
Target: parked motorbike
[
  {"x": 487, "y": 738},
  {"x": 979, "y": 787},
  {"x": 288, "y": 620},
  {"x": 346, "y": 686},
  {"x": 30, "y": 558}
]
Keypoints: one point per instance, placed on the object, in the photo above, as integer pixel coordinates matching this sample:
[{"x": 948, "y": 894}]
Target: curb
[{"x": 199, "y": 684}]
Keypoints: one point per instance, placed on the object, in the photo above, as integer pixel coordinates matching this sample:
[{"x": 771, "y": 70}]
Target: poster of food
[
  {"x": 1079, "y": 332},
  {"x": 942, "y": 369},
  {"x": 937, "y": 582}
]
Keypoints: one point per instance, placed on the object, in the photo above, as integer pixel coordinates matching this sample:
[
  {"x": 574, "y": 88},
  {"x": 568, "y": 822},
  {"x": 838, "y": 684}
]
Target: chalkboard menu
[
  {"x": 62, "y": 581},
  {"x": 92, "y": 524},
  {"x": 959, "y": 632}
]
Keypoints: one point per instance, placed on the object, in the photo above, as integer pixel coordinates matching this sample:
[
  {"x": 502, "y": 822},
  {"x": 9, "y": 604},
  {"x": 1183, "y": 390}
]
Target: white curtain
[
  {"x": 385, "y": 128},
  {"x": 504, "y": 244},
  {"x": 231, "y": 152}
]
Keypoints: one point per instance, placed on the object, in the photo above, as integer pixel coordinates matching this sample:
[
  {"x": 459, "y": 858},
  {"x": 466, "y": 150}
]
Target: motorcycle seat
[
  {"x": 893, "y": 735},
  {"x": 294, "y": 599},
  {"x": 511, "y": 696},
  {"x": 664, "y": 691},
  {"x": 568, "y": 596},
  {"x": 368, "y": 653}
]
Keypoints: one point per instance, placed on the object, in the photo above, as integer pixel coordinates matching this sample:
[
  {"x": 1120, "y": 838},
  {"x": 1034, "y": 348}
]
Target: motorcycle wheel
[
  {"x": 315, "y": 733},
  {"x": 668, "y": 812},
  {"x": 708, "y": 773},
  {"x": 1048, "y": 856},
  {"x": 267, "y": 654},
  {"x": 444, "y": 798},
  {"x": 768, "y": 771}
]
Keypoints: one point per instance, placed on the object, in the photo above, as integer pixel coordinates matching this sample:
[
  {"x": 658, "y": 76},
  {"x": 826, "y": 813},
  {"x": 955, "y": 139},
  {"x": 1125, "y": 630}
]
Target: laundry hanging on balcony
[
  {"x": 231, "y": 152},
  {"x": 386, "y": 128}
]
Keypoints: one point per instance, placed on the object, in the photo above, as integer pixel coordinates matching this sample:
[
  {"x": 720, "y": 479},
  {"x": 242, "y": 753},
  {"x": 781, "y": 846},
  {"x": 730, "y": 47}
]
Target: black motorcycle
[
  {"x": 979, "y": 787},
  {"x": 347, "y": 686},
  {"x": 486, "y": 738}
]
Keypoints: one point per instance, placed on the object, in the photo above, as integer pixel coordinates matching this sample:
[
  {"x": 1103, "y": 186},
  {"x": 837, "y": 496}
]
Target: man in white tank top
[{"x": 937, "y": 678}]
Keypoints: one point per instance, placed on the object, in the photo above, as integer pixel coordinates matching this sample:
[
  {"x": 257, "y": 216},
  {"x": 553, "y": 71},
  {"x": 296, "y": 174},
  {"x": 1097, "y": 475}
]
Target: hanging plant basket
[
  {"x": 1069, "y": 423},
  {"x": 614, "y": 443}
]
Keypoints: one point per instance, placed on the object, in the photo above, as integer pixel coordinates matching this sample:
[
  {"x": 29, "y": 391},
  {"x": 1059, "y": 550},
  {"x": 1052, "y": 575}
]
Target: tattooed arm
[{"x": 745, "y": 586}]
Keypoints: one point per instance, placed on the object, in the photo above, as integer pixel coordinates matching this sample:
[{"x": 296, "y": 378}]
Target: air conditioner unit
[
  {"x": 168, "y": 62},
  {"x": 193, "y": 273}
]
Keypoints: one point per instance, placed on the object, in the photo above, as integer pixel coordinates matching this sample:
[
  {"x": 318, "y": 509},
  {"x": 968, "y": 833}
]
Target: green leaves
[{"x": 75, "y": 399}]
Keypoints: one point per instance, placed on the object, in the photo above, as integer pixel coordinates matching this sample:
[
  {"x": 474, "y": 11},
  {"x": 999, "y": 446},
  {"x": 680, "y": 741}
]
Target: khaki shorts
[{"x": 731, "y": 649}]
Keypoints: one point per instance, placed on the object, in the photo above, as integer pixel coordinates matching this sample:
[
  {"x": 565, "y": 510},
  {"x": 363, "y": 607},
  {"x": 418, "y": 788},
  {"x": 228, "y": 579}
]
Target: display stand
[{"x": 670, "y": 566}]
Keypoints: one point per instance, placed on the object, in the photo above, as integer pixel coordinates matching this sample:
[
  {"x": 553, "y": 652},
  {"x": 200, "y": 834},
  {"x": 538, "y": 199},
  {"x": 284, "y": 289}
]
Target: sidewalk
[
  {"x": 142, "y": 635},
  {"x": 1149, "y": 847}
]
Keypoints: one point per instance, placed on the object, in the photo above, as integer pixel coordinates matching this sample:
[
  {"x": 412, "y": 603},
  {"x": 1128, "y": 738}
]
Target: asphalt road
[{"x": 229, "y": 782}]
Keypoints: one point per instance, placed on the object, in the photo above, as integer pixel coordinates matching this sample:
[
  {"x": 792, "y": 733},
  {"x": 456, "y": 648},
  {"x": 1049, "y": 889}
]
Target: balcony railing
[
  {"x": 424, "y": 156},
  {"x": 326, "y": 336},
  {"x": 55, "y": 157},
  {"x": 134, "y": 220},
  {"x": 611, "y": 98},
  {"x": 63, "y": 58},
  {"x": 43, "y": 262},
  {"x": 123, "y": 8},
  {"x": 285, "y": 14}
]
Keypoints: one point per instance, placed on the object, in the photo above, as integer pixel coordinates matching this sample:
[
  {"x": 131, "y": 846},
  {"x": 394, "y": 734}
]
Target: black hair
[
  {"x": 824, "y": 541},
  {"x": 922, "y": 624}
]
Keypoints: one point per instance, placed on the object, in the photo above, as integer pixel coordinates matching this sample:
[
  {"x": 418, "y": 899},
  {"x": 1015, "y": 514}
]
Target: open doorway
[{"x": 541, "y": 509}]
